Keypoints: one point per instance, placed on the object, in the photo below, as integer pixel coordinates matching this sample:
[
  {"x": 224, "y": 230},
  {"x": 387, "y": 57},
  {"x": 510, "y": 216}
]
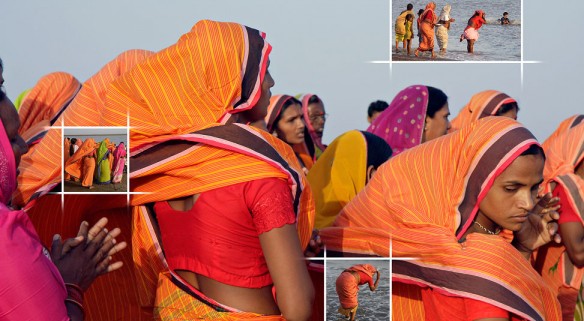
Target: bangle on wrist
[
  {"x": 78, "y": 304},
  {"x": 74, "y": 292}
]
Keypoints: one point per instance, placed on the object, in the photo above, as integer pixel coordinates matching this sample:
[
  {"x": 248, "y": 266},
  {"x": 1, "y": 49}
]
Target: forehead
[
  {"x": 293, "y": 109},
  {"x": 316, "y": 107},
  {"x": 526, "y": 169}
]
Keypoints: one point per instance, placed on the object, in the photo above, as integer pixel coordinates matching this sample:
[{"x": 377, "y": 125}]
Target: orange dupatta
[
  {"x": 178, "y": 101},
  {"x": 422, "y": 201},
  {"x": 44, "y": 104},
  {"x": 486, "y": 103},
  {"x": 564, "y": 150}
]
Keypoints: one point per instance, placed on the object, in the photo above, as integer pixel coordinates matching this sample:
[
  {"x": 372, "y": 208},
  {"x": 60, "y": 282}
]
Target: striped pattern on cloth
[
  {"x": 423, "y": 201},
  {"x": 486, "y": 103}
]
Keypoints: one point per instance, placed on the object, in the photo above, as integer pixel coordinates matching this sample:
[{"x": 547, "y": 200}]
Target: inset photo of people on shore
[
  {"x": 357, "y": 290},
  {"x": 95, "y": 159},
  {"x": 471, "y": 30}
]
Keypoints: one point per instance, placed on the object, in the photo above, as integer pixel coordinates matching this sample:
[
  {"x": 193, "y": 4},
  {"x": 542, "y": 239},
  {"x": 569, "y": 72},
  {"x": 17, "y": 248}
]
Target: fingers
[
  {"x": 83, "y": 229},
  {"x": 95, "y": 229},
  {"x": 56, "y": 247},
  {"x": 71, "y": 243},
  {"x": 542, "y": 203}
]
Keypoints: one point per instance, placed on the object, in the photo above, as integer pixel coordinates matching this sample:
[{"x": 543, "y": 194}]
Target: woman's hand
[
  {"x": 81, "y": 259},
  {"x": 540, "y": 227},
  {"x": 315, "y": 245}
]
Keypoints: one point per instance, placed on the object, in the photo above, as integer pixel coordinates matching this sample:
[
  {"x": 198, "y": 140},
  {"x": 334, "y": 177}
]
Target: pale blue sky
[{"x": 320, "y": 46}]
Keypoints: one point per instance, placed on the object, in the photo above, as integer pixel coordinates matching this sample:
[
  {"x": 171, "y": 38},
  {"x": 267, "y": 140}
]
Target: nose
[
  {"x": 527, "y": 201},
  {"x": 300, "y": 123}
]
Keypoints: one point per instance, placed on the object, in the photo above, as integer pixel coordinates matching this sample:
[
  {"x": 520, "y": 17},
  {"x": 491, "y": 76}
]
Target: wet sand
[
  {"x": 76, "y": 187},
  {"x": 423, "y": 57}
]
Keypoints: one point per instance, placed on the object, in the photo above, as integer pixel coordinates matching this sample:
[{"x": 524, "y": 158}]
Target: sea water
[
  {"x": 496, "y": 42},
  {"x": 372, "y": 305}
]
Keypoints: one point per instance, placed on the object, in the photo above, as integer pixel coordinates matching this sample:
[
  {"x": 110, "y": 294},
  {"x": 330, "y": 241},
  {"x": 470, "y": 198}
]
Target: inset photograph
[
  {"x": 470, "y": 30},
  {"x": 357, "y": 290},
  {"x": 95, "y": 159}
]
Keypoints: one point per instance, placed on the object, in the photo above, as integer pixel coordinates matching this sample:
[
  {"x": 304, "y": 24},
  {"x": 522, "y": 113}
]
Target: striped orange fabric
[
  {"x": 564, "y": 151},
  {"x": 176, "y": 102},
  {"x": 422, "y": 202},
  {"x": 40, "y": 169},
  {"x": 86, "y": 109},
  {"x": 485, "y": 103},
  {"x": 75, "y": 162},
  {"x": 45, "y": 103}
]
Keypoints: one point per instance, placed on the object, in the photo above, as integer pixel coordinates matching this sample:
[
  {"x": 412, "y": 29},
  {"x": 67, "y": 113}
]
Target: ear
[
  {"x": 369, "y": 174},
  {"x": 369, "y": 119}
]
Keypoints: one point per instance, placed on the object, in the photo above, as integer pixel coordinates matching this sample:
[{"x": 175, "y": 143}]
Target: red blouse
[
  {"x": 219, "y": 236},
  {"x": 443, "y": 307},
  {"x": 566, "y": 211},
  {"x": 365, "y": 278}
]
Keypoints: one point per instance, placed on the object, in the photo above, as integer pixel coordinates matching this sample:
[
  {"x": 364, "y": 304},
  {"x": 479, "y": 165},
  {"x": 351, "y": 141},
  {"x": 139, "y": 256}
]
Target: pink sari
[
  {"x": 119, "y": 162},
  {"x": 31, "y": 287},
  {"x": 401, "y": 125}
]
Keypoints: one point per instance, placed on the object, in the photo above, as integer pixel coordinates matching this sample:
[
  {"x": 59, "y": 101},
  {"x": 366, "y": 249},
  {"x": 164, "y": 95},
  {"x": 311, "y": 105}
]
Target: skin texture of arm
[
  {"x": 376, "y": 282},
  {"x": 573, "y": 238},
  {"x": 294, "y": 290}
]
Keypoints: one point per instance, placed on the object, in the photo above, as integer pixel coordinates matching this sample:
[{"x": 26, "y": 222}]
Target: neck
[{"x": 483, "y": 225}]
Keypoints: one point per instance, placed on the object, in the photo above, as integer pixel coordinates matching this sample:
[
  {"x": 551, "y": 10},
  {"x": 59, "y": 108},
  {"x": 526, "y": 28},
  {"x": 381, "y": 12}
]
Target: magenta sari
[
  {"x": 31, "y": 287},
  {"x": 119, "y": 162}
]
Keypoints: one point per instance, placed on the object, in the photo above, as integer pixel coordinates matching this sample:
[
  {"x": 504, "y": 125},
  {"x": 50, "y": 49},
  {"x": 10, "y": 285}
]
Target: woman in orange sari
[
  {"x": 562, "y": 265},
  {"x": 445, "y": 202},
  {"x": 427, "y": 21},
  {"x": 486, "y": 103},
  {"x": 347, "y": 286},
  {"x": 248, "y": 205},
  {"x": 82, "y": 164}
]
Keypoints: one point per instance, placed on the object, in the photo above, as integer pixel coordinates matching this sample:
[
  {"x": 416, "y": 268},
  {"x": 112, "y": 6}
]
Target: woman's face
[
  {"x": 317, "y": 117},
  {"x": 514, "y": 192},
  {"x": 438, "y": 125},
  {"x": 11, "y": 121},
  {"x": 290, "y": 127},
  {"x": 260, "y": 110}
]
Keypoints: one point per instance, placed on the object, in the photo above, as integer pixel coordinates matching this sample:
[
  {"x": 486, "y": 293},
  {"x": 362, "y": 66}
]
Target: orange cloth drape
[
  {"x": 181, "y": 96},
  {"x": 564, "y": 150},
  {"x": 74, "y": 164},
  {"x": 422, "y": 201},
  {"x": 86, "y": 109},
  {"x": 486, "y": 103},
  {"x": 45, "y": 103}
]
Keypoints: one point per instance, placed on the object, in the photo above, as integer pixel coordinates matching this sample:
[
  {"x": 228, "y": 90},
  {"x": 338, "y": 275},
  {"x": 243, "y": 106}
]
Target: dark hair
[
  {"x": 378, "y": 151},
  {"x": 289, "y": 102},
  {"x": 410, "y": 6},
  {"x": 507, "y": 107},
  {"x": 376, "y": 106},
  {"x": 1, "y": 64},
  {"x": 420, "y": 11},
  {"x": 313, "y": 100},
  {"x": 534, "y": 150},
  {"x": 2, "y": 91},
  {"x": 505, "y": 13},
  {"x": 436, "y": 100},
  {"x": 408, "y": 16}
]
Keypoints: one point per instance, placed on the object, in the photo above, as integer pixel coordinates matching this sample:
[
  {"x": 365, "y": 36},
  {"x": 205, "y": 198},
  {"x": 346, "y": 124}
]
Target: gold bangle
[{"x": 76, "y": 303}]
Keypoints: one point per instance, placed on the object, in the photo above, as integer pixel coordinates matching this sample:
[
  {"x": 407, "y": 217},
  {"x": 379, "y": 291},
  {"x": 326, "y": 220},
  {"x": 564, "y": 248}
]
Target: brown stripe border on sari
[
  {"x": 494, "y": 104},
  {"x": 276, "y": 111},
  {"x": 577, "y": 121},
  {"x": 238, "y": 138},
  {"x": 486, "y": 165},
  {"x": 466, "y": 283},
  {"x": 574, "y": 192}
]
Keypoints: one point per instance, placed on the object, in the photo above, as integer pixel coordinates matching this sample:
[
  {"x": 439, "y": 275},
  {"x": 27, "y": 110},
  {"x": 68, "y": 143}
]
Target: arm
[
  {"x": 573, "y": 238},
  {"x": 374, "y": 287},
  {"x": 285, "y": 261}
]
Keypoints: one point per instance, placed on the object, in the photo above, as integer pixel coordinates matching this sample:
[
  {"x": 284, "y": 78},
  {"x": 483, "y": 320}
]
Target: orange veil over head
[{"x": 421, "y": 202}]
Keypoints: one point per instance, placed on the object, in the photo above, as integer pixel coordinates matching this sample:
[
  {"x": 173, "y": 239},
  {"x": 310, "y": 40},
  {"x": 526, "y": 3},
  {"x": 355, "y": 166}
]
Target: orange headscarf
[
  {"x": 564, "y": 150},
  {"x": 45, "y": 103},
  {"x": 86, "y": 108},
  {"x": 486, "y": 103},
  {"x": 423, "y": 201},
  {"x": 178, "y": 101},
  {"x": 75, "y": 162}
]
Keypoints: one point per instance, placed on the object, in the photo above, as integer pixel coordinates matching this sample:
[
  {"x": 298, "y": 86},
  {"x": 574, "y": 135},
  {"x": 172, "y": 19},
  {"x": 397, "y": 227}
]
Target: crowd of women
[
  {"x": 431, "y": 25},
  {"x": 89, "y": 162},
  {"x": 233, "y": 188}
]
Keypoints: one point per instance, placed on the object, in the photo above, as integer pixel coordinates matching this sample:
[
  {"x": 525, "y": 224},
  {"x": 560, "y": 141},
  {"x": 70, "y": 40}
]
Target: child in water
[{"x": 505, "y": 19}]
